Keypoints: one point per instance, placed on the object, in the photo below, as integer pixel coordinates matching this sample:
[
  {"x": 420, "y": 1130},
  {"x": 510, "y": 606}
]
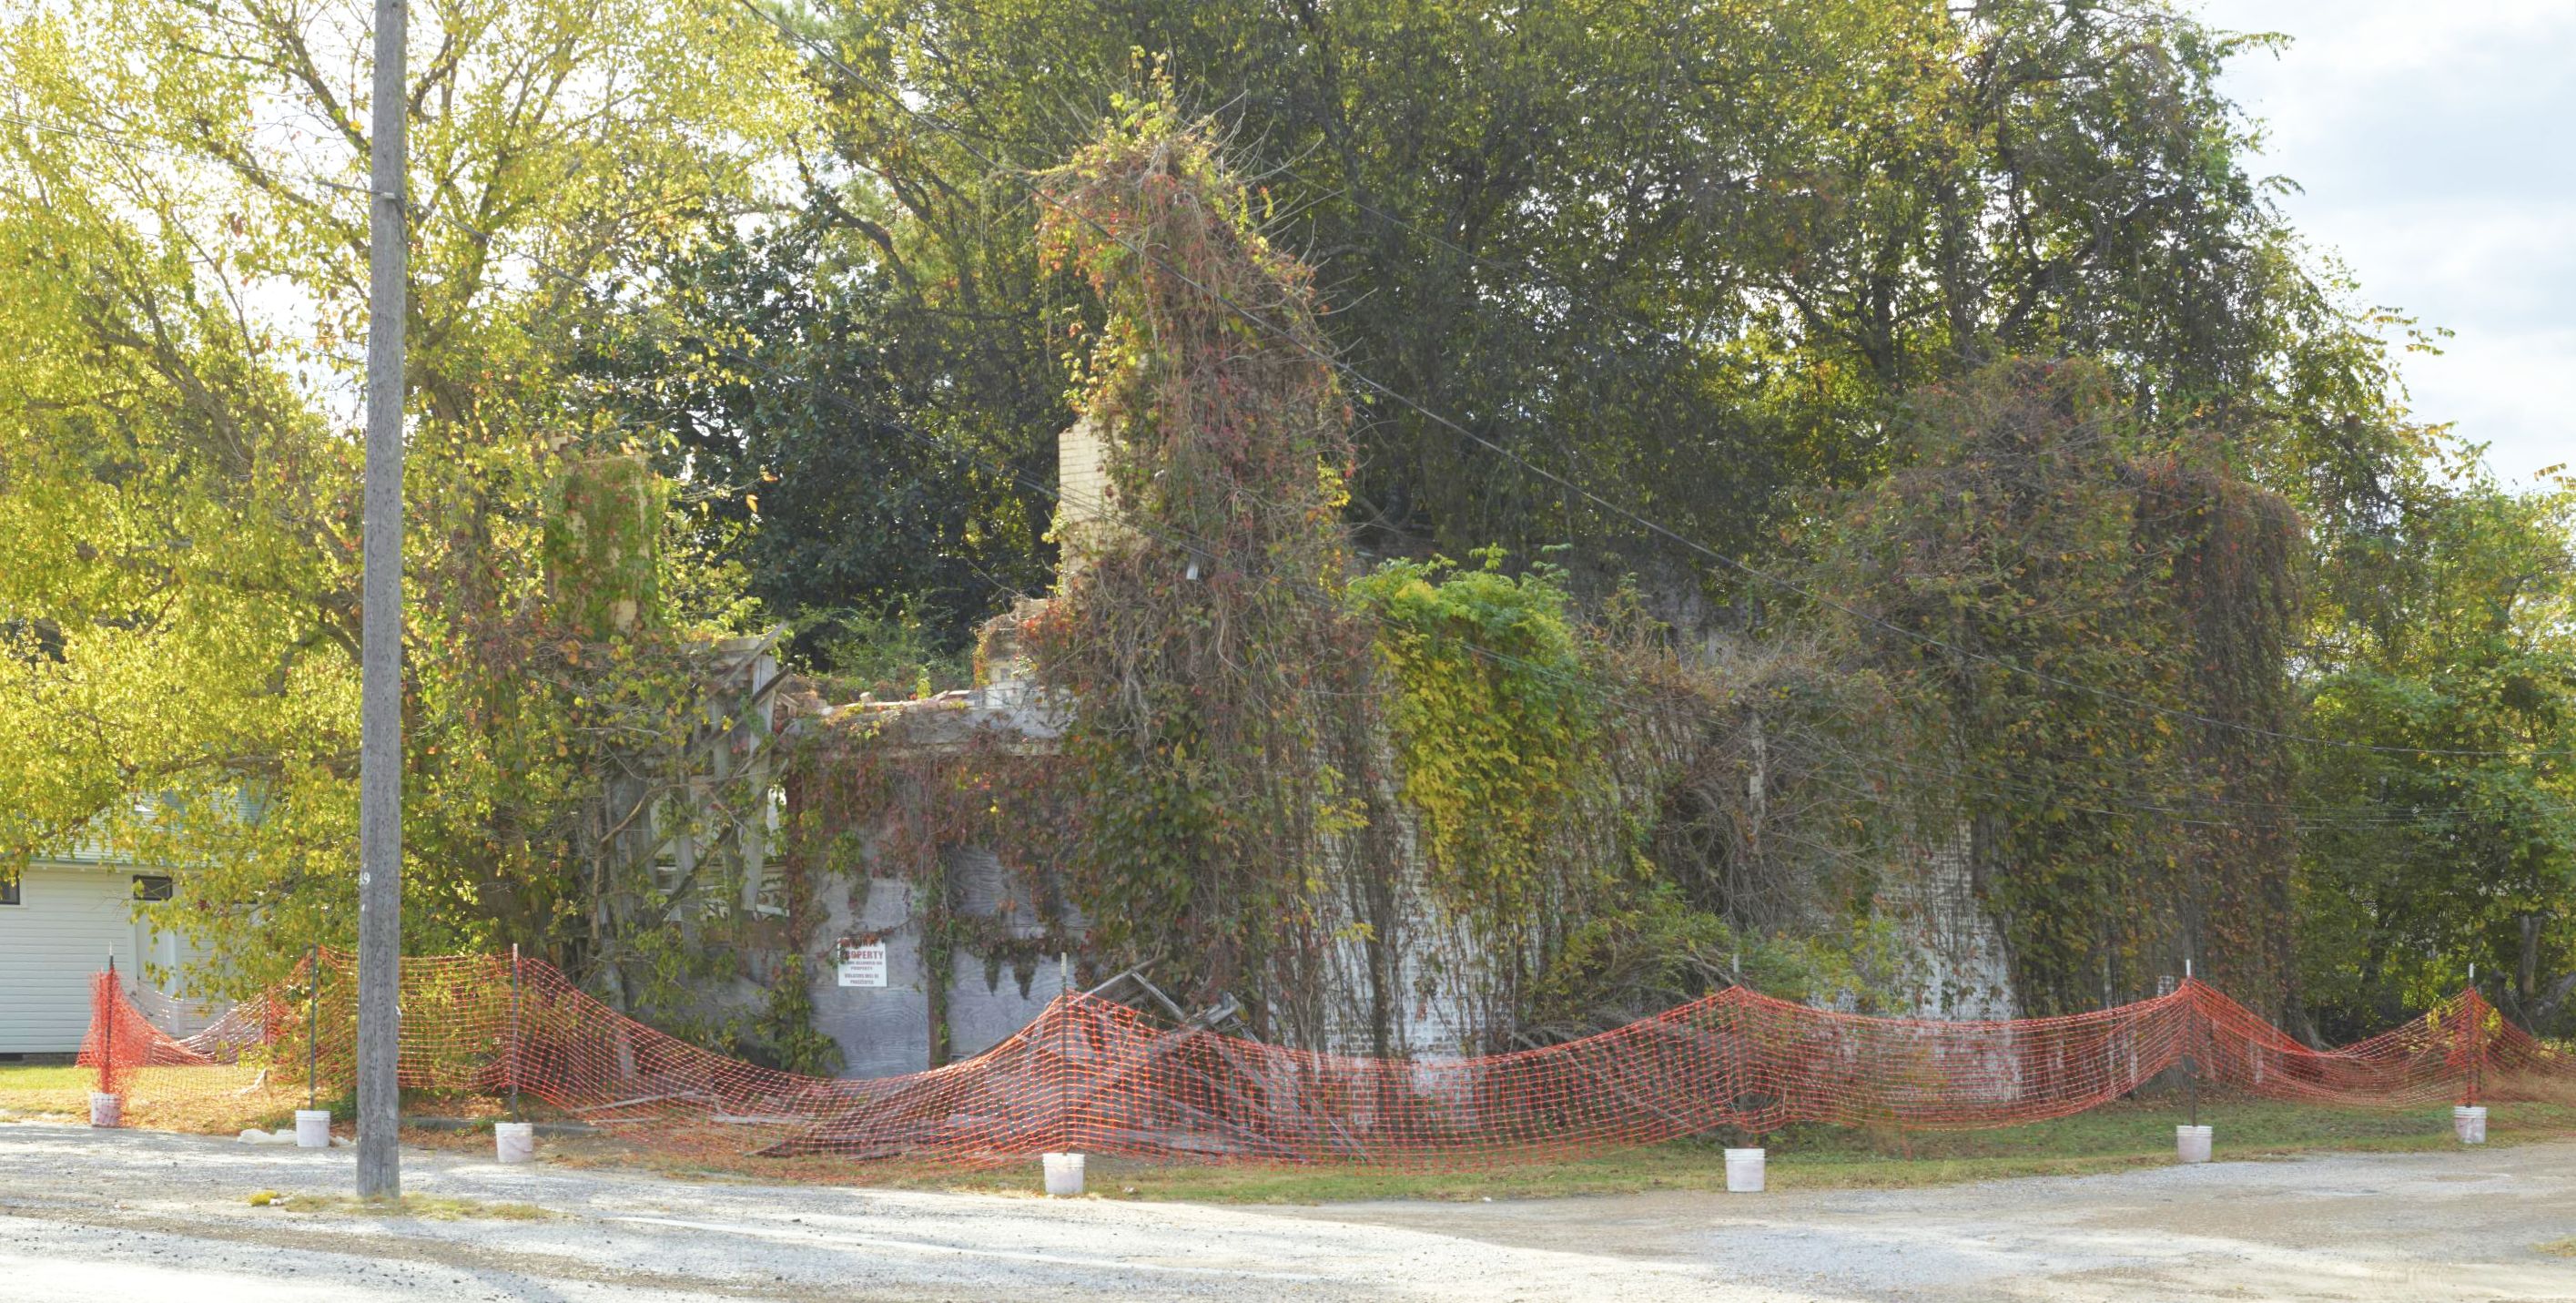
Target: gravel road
[{"x": 136, "y": 1215}]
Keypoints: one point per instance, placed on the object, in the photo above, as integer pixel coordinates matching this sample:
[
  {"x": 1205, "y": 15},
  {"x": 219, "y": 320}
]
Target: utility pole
[{"x": 380, "y": 686}]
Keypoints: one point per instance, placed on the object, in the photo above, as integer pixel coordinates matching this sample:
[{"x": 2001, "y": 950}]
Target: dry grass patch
[
  {"x": 2128, "y": 1134},
  {"x": 210, "y": 1100},
  {"x": 32, "y": 1091},
  {"x": 431, "y": 1208},
  {"x": 2120, "y": 1136}
]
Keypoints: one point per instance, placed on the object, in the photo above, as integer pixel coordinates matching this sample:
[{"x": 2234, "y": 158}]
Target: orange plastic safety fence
[{"x": 1092, "y": 1075}]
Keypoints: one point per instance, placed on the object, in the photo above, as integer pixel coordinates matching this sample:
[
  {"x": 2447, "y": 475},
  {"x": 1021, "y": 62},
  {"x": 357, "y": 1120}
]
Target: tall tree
[
  {"x": 2091, "y": 623},
  {"x": 810, "y": 402},
  {"x": 2443, "y": 793},
  {"x": 1683, "y": 255},
  {"x": 183, "y": 209}
]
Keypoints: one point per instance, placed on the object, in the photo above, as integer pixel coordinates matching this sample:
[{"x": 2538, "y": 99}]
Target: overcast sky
[{"x": 2435, "y": 145}]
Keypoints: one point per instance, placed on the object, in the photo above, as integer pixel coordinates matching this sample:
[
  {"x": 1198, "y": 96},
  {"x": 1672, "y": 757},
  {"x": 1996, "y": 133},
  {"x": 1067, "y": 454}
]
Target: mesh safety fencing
[{"x": 1093, "y": 1075}]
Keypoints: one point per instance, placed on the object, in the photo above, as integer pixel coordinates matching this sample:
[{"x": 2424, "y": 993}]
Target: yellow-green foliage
[
  {"x": 1496, "y": 723},
  {"x": 1653, "y": 950},
  {"x": 179, "y": 491},
  {"x": 600, "y": 542}
]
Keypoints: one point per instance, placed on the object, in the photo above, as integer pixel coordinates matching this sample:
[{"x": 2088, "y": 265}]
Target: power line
[
  {"x": 1650, "y": 525},
  {"x": 94, "y": 137},
  {"x": 1424, "y": 411},
  {"x": 2057, "y": 787},
  {"x": 1165, "y": 534},
  {"x": 2286, "y": 810}
]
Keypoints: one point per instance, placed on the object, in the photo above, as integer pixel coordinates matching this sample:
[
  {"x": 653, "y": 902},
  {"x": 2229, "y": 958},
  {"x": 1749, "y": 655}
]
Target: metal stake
[
  {"x": 1064, "y": 1050},
  {"x": 2191, "y": 1061},
  {"x": 514, "y": 1031},
  {"x": 313, "y": 1033},
  {"x": 2477, "y": 1019},
  {"x": 107, "y": 1034},
  {"x": 2191, "y": 1065}
]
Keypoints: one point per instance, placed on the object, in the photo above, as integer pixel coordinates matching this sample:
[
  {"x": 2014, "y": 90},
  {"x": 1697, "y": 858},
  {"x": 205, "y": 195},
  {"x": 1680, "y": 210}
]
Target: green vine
[
  {"x": 1270, "y": 771},
  {"x": 2045, "y": 528},
  {"x": 1497, "y": 721},
  {"x": 783, "y": 1036},
  {"x": 1217, "y": 744}
]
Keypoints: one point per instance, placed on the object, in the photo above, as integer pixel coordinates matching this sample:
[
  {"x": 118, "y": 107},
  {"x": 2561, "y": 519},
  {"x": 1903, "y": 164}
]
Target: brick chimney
[{"x": 1086, "y": 518}]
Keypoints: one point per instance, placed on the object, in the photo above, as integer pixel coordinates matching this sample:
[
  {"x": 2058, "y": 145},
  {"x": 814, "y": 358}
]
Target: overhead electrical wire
[
  {"x": 1655, "y": 527},
  {"x": 2110, "y": 795}
]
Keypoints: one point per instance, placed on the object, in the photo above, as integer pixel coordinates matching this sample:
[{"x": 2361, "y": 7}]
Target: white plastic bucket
[
  {"x": 1744, "y": 1171},
  {"x": 2469, "y": 1122},
  {"x": 2191, "y": 1144},
  {"x": 313, "y": 1128},
  {"x": 1063, "y": 1175},
  {"x": 106, "y": 1110},
  {"x": 515, "y": 1142}
]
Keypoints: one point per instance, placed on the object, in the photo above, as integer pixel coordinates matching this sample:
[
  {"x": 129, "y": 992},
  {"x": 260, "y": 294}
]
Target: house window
[
  {"x": 9, "y": 893},
  {"x": 152, "y": 887}
]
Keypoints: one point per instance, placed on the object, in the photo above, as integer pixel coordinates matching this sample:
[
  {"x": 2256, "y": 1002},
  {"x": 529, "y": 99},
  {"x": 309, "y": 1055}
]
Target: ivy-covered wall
[
  {"x": 601, "y": 542},
  {"x": 1437, "y": 807}
]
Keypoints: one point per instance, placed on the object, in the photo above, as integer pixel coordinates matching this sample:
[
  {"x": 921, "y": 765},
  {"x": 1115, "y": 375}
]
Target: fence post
[
  {"x": 2474, "y": 1025},
  {"x": 1064, "y": 1049},
  {"x": 2191, "y": 1057},
  {"x": 513, "y": 1058},
  {"x": 2478, "y": 1051},
  {"x": 313, "y": 1031},
  {"x": 106, "y": 1014},
  {"x": 2477, "y": 1027}
]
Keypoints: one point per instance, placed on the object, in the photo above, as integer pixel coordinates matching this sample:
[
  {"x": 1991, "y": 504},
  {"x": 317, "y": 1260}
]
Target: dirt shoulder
[
  {"x": 88, "y": 1214},
  {"x": 2456, "y": 1224}
]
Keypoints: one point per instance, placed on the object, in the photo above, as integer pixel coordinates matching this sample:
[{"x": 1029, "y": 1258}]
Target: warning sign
[{"x": 863, "y": 965}]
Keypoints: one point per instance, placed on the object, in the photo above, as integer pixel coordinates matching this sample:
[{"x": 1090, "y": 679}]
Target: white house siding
[{"x": 69, "y": 920}]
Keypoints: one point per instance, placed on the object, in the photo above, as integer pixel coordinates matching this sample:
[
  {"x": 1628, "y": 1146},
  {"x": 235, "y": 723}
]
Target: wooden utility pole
[{"x": 380, "y": 750}]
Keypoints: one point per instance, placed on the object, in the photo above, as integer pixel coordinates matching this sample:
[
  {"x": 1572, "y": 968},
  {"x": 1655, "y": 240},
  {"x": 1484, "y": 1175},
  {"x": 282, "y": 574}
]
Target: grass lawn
[
  {"x": 213, "y": 1100},
  {"x": 26, "y": 1089},
  {"x": 2131, "y": 1133}
]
